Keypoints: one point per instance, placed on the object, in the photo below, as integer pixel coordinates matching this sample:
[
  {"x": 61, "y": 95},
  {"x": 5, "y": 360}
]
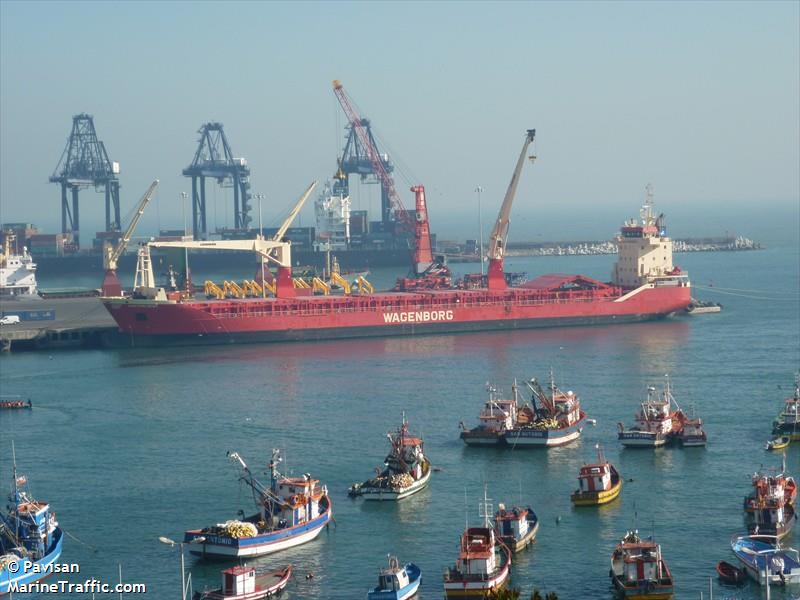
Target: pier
[{"x": 55, "y": 323}]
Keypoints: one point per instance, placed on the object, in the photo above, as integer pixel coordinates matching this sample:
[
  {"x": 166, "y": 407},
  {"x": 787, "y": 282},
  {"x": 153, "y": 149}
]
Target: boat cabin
[
  {"x": 238, "y": 581},
  {"x": 394, "y": 577},
  {"x": 477, "y": 555},
  {"x": 594, "y": 478},
  {"x": 512, "y": 522},
  {"x": 498, "y": 414},
  {"x": 642, "y": 562},
  {"x": 567, "y": 408}
]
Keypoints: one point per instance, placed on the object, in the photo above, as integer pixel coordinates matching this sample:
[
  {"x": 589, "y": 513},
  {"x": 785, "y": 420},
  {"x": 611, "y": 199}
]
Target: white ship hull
[{"x": 393, "y": 494}]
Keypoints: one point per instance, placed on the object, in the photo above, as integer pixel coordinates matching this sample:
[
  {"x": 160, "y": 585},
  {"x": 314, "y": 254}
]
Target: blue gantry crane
[
  {"x": 85, "y": 163},
  {"x": 214, "y": 159}
]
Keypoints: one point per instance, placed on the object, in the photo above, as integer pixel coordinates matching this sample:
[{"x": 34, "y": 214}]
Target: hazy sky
[{"x": 701, "y": 99}]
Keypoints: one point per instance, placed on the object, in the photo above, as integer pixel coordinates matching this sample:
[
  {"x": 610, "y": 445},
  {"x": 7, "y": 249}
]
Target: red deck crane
[
  {"x": 496, "y": 279},
  {"x": 427, "y": 273}
]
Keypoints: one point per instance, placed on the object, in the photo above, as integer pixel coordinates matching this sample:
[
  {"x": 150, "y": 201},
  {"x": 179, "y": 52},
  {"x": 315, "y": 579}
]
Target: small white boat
[{"x": 396, "y": 582}]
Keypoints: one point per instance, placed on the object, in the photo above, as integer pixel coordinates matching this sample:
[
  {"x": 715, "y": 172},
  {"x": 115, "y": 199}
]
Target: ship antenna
[
  {"x": 466, "y": 510},
  {"x": 485, "y": 508}
]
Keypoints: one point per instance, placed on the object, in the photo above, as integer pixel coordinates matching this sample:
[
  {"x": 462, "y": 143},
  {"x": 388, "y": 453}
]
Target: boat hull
[
  {"x": 394, "y": 494},
  {"x": 31, "y": 572},
  {"x": 597, "y": 498},
  {"x": 517, "y": 545},
  {"x": 533, "y": 438},
  {"x": 475, "y": 437},
  {"x": 641, "y": 439},
  {"x": 151, "y": 323},
  {"x": 472, "y": 588},
  {"x": 259, "y": 593},
  {"x": 259, "y": 545}
]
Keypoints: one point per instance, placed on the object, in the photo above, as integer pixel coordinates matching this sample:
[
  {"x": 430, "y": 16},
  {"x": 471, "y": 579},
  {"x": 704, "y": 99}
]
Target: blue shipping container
[{"x": 48, "y": 314}]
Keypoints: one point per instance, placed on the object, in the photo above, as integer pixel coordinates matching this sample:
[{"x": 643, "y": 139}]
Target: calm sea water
[{"x": 130, "y": 445}]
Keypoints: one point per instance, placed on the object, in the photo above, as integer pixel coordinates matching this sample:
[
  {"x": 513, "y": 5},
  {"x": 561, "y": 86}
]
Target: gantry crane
[
  {"x": 85, "y": 163},
  {"x": 426, "y": 273},
  {"x": 111, "y": 253},
  {"x": 496, "y": 279}
]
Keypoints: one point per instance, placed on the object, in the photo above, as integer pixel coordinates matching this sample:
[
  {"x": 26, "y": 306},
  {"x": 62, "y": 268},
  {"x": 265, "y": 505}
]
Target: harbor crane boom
[
  {"x": 497, "y": 242},
  {"x": 423, "y": 256},
  {"x": 111, "y": 254}
]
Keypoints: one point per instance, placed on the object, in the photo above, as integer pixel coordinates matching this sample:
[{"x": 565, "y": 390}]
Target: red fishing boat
[
  {"x": 16, "y": 403},
  {"x": 645, "y": 285}
]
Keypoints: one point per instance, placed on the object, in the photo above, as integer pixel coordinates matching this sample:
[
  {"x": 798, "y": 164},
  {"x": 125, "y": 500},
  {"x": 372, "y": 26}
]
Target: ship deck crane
[
  {"x": 427, "y": 273},
  {"x": 111, "y": 253},
  {"x": 274, "y": 250},
  {"x": 496, "y": 279}
]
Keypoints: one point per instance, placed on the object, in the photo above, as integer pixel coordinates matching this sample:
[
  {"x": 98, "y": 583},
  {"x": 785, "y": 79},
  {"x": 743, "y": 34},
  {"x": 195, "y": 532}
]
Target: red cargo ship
[{"x": 645, "y": 286}]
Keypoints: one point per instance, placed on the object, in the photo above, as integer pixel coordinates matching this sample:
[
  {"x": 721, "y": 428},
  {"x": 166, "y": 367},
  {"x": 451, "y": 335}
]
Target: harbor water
[{"x": 129, "y": 445}]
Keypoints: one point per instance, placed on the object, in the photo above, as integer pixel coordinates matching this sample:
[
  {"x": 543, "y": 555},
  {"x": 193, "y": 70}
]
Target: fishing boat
[
  {"x": 787, "y": 422},
  {"x": 769, "y": 481},
  {"x": 30, "y": 540},
  {"x": 483, "y": 563},
  {"x": 516, "y": 526},
  {"x": 291, "y": 511},
  {"x": 396, "y": 582},
  {"x": 638, "y": 571},
  {"x": 654, "y": 422},
  {"x": 731, "y": 574},
  {"x": 245, "y": 583},
  {"x": 12, "y": 403},
  {"x": 690, "y": 432},
  {"x": 765, "y": 560},
  {"x": 556, "y": 418},
  {"x": 598, "y": 483},
  {"x": 769, "y": 509},
  {"x": 779, "y": 443},
  {"x": 407, "y": 469},
  {"x": 497, "y": 416}
]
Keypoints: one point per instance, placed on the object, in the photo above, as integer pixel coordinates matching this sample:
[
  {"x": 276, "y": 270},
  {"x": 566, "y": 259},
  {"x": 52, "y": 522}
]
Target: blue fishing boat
[
  {"x": 396, "y": 582},
  {"x": 30, "y": 540},
  {"x": 291, "y": 511},
  {"x": 764, "y": 559}
]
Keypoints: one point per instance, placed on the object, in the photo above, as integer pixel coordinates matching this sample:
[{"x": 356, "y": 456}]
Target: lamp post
[
  {"x": 479, "y": 190},
  {"x": 185, "y": 582}
]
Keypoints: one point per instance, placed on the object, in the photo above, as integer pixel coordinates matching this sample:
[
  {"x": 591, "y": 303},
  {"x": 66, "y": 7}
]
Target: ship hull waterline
[{"x": 148, "y": 323}]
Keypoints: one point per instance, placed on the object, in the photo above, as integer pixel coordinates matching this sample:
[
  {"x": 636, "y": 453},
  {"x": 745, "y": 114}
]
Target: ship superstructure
[
  {"x": 17, "y": 271},
  {"x": 332, "y": 211}
]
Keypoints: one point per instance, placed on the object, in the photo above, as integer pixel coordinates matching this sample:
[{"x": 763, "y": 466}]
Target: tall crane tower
[
  {"x": 85, "y": 163},
  {"x": 426, "y": 272},
  {"x": 214, "y": 159}
]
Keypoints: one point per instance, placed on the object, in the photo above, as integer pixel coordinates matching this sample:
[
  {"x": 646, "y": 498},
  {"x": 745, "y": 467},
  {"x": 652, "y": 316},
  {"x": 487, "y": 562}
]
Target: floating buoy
[{"x": 558, "y": 520}]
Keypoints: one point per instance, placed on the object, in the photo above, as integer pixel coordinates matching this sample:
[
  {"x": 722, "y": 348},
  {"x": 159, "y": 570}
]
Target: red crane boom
[{"x": 423, "y": 256}]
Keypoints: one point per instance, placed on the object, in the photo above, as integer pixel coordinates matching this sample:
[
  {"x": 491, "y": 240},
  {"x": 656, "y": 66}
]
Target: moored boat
[
  {"x": 690, "y": 430},
  {"x": 17, "y": 271},
  {"x": 516, "y": 526},
  {"x": 638, "y": 571},
  {"x": 497, "y": 416},
  {"x": 787, "y": 422},
  {"x": 483, "y": 564},
  {"x": 30, "y": 540},
  {"x": 291, "y": 511},
  {"x": 598, "y": 483},
  {"x": 396, "y": 582},
  {"x": 556, "y": 418},
  {"x": 731, "y": 574},
  {"x": 245, "y": 583},
  {"x": 12, "y": 403},
  {"x": 765, "y": 560},
  {"x": 407, "y": 469},
  {"x": 779, "y": 443},
  {"x": 655, "y": 421}
]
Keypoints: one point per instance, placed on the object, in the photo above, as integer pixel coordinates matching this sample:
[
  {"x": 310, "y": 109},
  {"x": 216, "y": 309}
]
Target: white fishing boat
[
  {"x": 483, "y": 564},
  {"x": 406, "y": 469},
  {"x": 654, "y": 425},
  {"x": 497, "y": 416},
  {"x": 765, "y": 560},
  {"x": 291, "y": 511}
]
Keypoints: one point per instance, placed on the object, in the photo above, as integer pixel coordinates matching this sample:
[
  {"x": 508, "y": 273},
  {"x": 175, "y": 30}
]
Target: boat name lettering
[{"x": 419, "y": 316}]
